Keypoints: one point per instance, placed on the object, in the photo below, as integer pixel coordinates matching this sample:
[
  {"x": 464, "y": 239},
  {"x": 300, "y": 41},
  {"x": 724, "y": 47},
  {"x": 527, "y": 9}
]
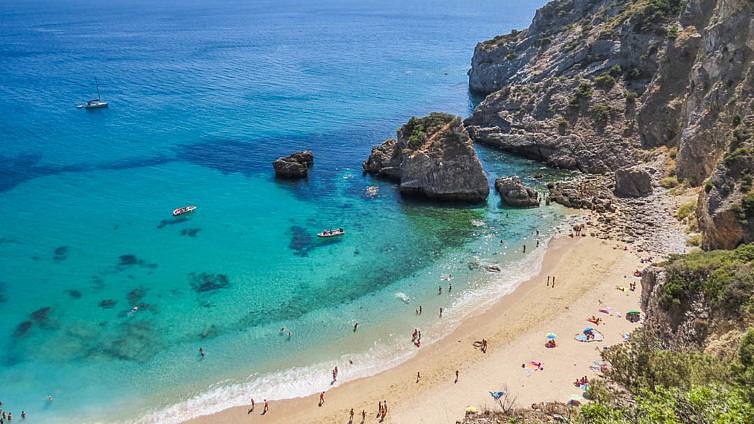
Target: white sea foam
[{"x": 304, "y": 381}]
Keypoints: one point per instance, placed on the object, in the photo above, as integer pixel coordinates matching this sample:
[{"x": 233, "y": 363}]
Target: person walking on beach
[
  {"x": 548, "y": 281},
  {"x": 334, "y": 375},
  {"x": 321, "y": 399},
  {"x": 252, "y": 407},
  {"x": 384, "y": 411},
  {"x": 524, "y": 248},
  {"x": 418, "y": 376},
  {"x": 355, "y": 326},
  {"x": 350, "y": 420},
  {"x": 379, "y": 409},
  {"x": 363, "y": 416},
  {"x": 456, "y": 377},
  {"x": 420, "y": 309},
  {"x": 266, "y": 407},
  {"x": 440, "y": 312}
]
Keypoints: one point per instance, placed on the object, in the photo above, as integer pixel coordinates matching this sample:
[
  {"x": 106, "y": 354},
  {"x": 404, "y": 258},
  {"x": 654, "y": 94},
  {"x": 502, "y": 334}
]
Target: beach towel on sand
[{"x": 598, "y": 337}]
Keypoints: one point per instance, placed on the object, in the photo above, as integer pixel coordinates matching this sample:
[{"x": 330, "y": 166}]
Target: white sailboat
[{"x": 97, "y": 103}]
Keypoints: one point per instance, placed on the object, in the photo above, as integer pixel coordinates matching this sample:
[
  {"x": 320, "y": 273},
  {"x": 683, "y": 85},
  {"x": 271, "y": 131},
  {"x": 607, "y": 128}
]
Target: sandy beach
[{"x": 588, "y": 272}]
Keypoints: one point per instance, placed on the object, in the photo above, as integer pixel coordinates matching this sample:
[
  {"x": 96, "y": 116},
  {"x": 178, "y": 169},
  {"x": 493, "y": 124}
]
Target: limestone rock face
[
  {"x": 725, "y": 209},
  {"x": 633, "y": 182},
  {"x": 515, "y": 193},
  {"x": 591, "y": 84},
  {"x": 432, "y": 157},
  {"x": 294, "y": 166}
]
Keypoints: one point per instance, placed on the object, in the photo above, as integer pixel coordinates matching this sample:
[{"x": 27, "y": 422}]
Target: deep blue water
[{"x": 203, "y": 96}]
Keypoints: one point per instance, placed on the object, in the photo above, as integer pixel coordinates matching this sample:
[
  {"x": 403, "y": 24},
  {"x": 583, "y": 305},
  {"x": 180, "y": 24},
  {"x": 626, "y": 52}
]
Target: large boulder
[
  {"x": 515, "y": 193},
  {"x": 432, "y": 157},
  {"x": 633, "y": 181},
  {"x": 294, "y": 166}
]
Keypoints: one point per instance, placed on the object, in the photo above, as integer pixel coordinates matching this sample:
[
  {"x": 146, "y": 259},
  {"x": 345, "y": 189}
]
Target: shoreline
[{"x": 514, "y": 325}]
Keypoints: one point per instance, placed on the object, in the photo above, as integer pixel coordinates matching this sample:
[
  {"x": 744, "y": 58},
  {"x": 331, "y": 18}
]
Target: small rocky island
[
  {"x": 515, "y": 193},
  {"x": 294, "y": 166},
  {"x": 432, "y": 157}
]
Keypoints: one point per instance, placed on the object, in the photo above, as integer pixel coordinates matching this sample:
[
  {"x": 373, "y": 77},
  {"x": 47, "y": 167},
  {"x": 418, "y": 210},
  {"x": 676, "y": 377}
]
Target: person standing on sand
[
  {"x": 321, "y": 399},
  {"x": 524, "y": 248},
  {"x": 420, "y": 309},
  {"x": 351, "y": 416},
  {"x": 379, "y": 409},
  {"x": 363, "y": 416},
  {"x": 266, "y": 407},
  {"x": 252, "y": 407},
  {"x": 548, "y": 281},
  {"x": 384, "y": 411},
  {"x": 440, "y": 312},
  {"x": 418, "y": 376},
  {"x": 456, "y": 377}
]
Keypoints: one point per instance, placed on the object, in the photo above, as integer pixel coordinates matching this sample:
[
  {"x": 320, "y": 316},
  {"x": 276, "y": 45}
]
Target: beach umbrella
[
  {"x": 589, "y": 329},
  {"x": 551, "y": 336},
  {"x": 633, "y": 312}
]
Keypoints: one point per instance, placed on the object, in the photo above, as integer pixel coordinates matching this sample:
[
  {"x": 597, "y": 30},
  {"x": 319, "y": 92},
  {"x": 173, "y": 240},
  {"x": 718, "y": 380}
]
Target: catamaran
[{"x": 97, "y": 103}]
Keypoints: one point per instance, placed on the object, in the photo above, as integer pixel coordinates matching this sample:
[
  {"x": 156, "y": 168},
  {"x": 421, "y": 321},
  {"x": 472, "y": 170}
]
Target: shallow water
[{"x": 203, "y": 95}]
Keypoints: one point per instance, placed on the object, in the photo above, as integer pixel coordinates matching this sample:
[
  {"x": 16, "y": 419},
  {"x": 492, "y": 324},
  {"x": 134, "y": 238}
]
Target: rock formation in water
[
  {"x": 515, "y": 193},
  {"x": 604, "y": 85},
  {"x": 294, "y": 166},
  {"x": 432, "y": 157}
]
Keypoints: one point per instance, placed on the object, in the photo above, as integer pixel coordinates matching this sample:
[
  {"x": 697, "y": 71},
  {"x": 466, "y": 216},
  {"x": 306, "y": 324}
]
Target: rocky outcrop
[
  {"x": 633, "y": 182},
  {"x": 432, "y": 157},
  {"x": 725, "y": 210},
  {"x": 515, "y": 193},
  {"x": 592, "y": 84},
  {"x": 646, "y": 223},
  {"x": 294, "y": 166}
]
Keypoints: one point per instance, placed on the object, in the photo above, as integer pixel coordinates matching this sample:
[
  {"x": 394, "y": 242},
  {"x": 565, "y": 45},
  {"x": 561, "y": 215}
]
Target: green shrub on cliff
[
  {"x": 686, "y": 209},
  {"x": 605, "y": 81},
  {"x": 418, "y": 129},
  {"x": 725, "y": 277},
  {"x": 747, "y": 204}
]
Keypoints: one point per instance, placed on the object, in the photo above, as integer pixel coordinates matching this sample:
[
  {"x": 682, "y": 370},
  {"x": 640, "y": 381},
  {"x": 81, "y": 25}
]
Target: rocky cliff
[
  {"x": 597, "y": 85},
  {"x": 432, "y": 157}
]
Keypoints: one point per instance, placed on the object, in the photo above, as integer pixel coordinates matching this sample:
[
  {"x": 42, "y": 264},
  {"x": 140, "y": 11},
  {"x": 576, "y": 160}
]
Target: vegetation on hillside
[
  {"x": 724, "y": 277},
  {"x": 418, "y": 129}
]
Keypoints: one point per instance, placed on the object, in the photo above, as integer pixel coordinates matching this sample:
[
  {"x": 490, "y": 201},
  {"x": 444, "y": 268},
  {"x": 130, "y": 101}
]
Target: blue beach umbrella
[{"x": 551, "y": 336}]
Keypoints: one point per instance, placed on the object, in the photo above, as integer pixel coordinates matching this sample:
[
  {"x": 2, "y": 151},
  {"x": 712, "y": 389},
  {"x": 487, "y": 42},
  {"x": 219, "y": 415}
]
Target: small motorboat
[
  {"x": 184, "y": 210},
  {"x": 331, "y": 233}
]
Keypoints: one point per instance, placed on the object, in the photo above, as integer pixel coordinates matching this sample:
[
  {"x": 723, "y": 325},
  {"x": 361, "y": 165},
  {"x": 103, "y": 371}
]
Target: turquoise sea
[{"x": 203, "y": 96}]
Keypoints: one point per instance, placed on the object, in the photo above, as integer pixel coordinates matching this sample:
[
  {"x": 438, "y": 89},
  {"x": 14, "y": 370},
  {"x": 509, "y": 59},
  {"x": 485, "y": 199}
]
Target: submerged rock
[
  {"x": 60, "y": 253},
  {"x": 432, "y": 157},
  {"x": 206, "y": 282},
  {"x": 515, "y": 193},
  {"x": 107, "y": 303},
  {"x": 294, "y": 166},
  {"x": 22, "y": 329}
]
